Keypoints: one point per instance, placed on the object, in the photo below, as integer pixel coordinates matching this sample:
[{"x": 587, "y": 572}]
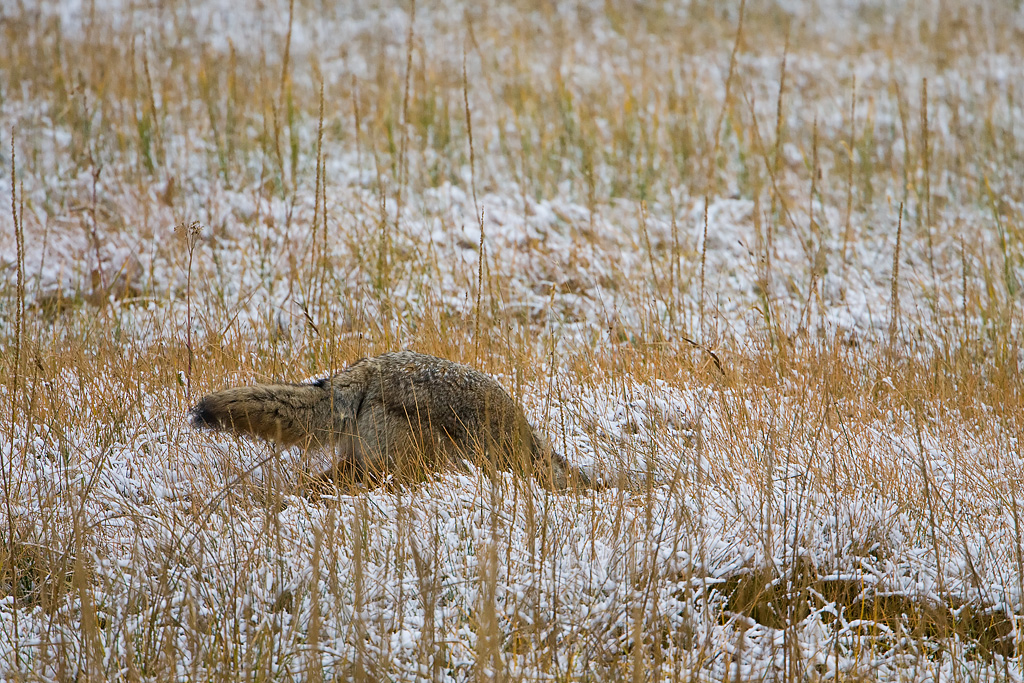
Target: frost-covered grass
[{"x": 767, "y": 256}]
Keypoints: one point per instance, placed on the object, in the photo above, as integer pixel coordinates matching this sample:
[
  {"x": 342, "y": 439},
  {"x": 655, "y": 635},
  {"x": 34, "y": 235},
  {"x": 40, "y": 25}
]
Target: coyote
[{"x": 398, "y": 416}]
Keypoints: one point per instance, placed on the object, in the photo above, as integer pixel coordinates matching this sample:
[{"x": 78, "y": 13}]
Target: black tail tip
[{"x": 202, "y": 417}]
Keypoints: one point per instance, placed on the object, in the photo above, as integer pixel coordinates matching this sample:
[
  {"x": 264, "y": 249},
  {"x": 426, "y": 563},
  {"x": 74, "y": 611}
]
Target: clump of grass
[{"x": 826, "y": 488}]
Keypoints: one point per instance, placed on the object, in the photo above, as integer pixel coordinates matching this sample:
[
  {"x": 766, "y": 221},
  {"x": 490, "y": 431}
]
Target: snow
[{"x": 198, "y": 563}]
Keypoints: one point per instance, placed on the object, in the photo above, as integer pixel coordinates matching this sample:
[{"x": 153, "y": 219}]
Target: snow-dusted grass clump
[{"x": 759, "y": 268}]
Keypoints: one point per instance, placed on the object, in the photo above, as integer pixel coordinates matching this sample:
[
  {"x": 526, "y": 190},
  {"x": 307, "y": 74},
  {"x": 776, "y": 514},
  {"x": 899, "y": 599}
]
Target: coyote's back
[{"x": 398, "y": 415}]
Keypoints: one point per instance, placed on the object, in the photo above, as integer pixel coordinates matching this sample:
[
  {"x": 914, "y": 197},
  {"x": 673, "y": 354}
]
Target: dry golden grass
[{"x": 773, "y": 260}]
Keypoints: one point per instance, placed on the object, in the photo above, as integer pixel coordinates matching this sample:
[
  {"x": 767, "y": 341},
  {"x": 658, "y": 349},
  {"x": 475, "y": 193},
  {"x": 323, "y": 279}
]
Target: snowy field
[{"x": 766, "y": 256}]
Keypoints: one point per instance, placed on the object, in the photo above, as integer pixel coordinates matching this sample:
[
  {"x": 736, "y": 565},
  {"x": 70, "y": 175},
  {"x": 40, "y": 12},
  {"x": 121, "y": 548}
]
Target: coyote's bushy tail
[{"x": 285, "y": 414}]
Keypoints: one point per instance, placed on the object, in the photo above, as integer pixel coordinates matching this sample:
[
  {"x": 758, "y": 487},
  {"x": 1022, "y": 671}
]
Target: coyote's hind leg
[{"x": 347, "y": 471}]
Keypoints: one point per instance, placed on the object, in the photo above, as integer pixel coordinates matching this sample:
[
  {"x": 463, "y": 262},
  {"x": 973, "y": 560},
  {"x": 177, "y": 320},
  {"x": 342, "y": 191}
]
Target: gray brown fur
[{"x": 398, "y": 415}]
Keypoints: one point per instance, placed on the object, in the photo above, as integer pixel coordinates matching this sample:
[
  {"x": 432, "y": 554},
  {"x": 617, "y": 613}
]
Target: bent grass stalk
[{"x": 774, "y": 443}]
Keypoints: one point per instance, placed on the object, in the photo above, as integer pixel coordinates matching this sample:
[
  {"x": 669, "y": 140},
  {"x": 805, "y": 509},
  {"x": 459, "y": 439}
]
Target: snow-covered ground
[
  {"x": 788, "y": 527},
  {"x": 402, "y": 581}
]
